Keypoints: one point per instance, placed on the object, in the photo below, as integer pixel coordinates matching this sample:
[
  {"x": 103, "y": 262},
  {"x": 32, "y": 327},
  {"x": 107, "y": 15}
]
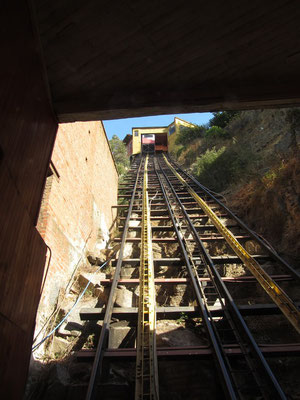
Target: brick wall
[{"x": 76, "y": 211}]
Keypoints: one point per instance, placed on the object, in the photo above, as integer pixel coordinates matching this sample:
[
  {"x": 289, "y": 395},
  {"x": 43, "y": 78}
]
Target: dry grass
[{"x": 271, "y": 205}]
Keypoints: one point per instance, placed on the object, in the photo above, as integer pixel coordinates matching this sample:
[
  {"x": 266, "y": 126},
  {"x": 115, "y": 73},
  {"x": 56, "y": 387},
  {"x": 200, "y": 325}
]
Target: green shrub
[
  {"x": 217, "y": 169},
  {"x": 190, "y": 157},
  {"x": 215, "y": 132},
  {"x": 187, "y": 135},
  {"x": 179, "y": 151},
  {"x": 203, "y": 169}
]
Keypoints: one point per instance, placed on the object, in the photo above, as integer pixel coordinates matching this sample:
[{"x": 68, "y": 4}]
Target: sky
[{"x": 121, "y": 127}]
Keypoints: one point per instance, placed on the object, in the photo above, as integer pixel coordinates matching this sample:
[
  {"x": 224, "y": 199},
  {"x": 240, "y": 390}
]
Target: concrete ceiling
[{"x": 115, "y": 59}]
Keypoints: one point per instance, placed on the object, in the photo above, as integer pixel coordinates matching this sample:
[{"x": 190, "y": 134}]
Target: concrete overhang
[{"x": 120, "y": 59}]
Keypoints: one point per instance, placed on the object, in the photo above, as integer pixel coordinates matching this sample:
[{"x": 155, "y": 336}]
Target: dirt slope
[{"x": 265, "y": 191}]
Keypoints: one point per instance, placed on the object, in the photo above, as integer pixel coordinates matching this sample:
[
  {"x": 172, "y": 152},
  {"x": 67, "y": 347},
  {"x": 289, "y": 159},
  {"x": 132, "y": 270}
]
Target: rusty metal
[
  {"x": 180, "y": 281},
  {"x": 193, "y": 352}
]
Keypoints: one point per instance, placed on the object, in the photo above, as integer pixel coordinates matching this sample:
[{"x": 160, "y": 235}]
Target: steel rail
[
  {"x": 146, "y": 381},
  {"x": 262, "y": 243},
  {"x": 217, "y": 349},
  {"x": 97, "y": 365},
  {"x": 280, "y": 298},
  {"x": 232, "y": 307}
]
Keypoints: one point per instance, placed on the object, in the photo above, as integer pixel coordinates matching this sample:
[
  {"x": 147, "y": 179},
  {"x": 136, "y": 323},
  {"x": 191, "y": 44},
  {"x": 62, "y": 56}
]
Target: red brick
[{"x": 87, "y": 175}]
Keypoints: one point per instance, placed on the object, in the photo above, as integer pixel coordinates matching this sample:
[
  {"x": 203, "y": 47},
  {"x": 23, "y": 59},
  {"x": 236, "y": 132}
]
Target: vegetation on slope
[
  {"x": 254, "y": 156},
  {"x": 214, "y": 154},
  {"x": 119, "y": 152},
  {"x": 270, "y": 203}
]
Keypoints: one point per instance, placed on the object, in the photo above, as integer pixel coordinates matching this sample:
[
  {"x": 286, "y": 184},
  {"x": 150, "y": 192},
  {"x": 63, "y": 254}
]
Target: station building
[{"x": 154, "y": 139}]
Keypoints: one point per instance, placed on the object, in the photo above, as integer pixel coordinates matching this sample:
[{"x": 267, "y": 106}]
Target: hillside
[{"x": 253, "y": 160}]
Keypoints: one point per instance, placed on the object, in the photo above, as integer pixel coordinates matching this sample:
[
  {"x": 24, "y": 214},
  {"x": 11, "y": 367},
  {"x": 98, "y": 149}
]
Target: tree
[
  {"x": 222, "y": 118},
  {"x": 119, "y": 152}
]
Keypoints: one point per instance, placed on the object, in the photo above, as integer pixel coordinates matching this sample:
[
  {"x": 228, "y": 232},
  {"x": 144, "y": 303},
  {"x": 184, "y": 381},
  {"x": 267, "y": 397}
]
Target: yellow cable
[{"x": 146, "y": 364}]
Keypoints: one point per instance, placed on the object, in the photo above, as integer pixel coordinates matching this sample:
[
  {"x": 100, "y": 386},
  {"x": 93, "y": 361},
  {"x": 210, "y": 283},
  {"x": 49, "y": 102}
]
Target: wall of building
[
  {"x": 28, "y": 129},
  {"x": 129, "y": 148},
  {"x": 76, "y": 213},
  {"x": 173, "y": 130},
  {"x": 136, "y": 138}
]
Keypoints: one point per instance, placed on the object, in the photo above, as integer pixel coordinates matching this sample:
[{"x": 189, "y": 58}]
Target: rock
[
  {"x": 73, "y": 326},
  {"x": 176, "y": 335},
  {"x": 127, "y": 272},
  {"x": 165, "y": 340},
  {"x": 99, "y": 291},
  {"x": 133, "y": 223},
  {"x": 59, "y": 346},
  {"x": 66, "y": 330},
  {"x": 136, "y": 250},
  {"x": 95, "y": 279},
  {"x": 124, "y": 297},
  {"x": 132, "y": 234},
  {"x": 252, "y": 247},
  {"x": 235, "y": 270},
  {"x": 96, "y": 258},
  {"x": 128, "y": 248},
  {"x": 157, "y": 251},
  {"x": 121, "y": 335}
]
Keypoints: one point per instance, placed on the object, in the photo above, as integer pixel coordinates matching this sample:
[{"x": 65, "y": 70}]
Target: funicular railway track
[{"x": 168, "y": 206}]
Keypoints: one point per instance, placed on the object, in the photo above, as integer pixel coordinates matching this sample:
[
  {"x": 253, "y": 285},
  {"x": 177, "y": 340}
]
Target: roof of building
[
  {"x": 150, "y": 127},
  {"x": 127, "y": 138},
  {"x": 183, "y": 120}
]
